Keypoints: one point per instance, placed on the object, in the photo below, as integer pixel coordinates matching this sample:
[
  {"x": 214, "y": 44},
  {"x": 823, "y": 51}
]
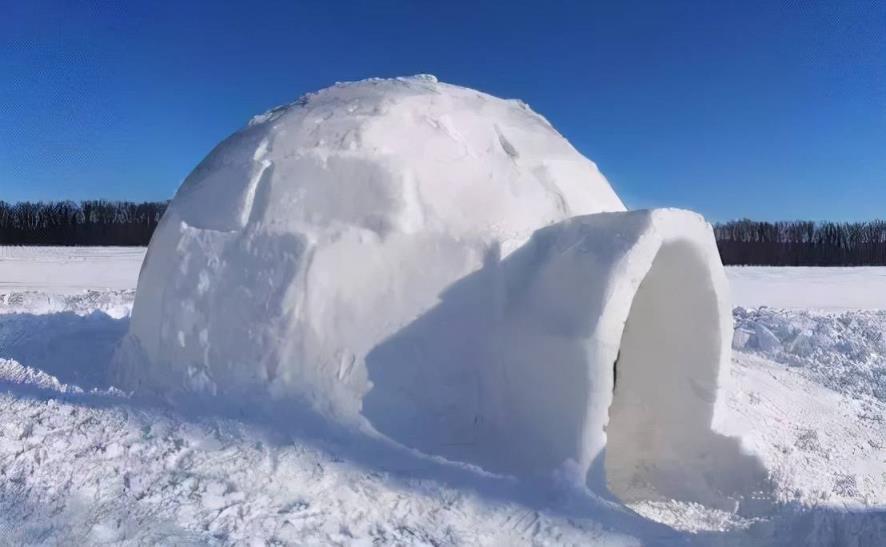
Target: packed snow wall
[
  {"x": 442, "y": 267},
  {"x": 596, "y": 348}
]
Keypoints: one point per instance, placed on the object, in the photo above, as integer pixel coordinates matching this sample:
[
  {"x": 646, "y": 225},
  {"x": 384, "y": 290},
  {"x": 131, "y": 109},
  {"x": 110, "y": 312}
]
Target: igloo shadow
[{"x": 595, "y": 349}]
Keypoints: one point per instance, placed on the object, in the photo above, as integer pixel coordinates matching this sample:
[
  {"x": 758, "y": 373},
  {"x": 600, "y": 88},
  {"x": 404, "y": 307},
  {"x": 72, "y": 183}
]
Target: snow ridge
[{"x": 845, "y": 351}]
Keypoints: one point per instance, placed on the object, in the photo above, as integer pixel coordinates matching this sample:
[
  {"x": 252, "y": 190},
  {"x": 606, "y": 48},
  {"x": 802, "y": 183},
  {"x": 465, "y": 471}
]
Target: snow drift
[{"x": 440, "y": 266}]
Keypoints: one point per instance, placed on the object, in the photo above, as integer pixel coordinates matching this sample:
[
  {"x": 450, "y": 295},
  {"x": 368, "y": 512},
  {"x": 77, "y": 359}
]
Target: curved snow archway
[
  {"x": 659, "y": 439},
  {"x": 515, "y": 369}
]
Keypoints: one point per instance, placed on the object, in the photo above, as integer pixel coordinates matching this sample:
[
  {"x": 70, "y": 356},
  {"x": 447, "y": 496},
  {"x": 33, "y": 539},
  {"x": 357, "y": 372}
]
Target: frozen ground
[
  {"x": 68, "y": 270},
  {"x": 824, "y": 289},
  {"x": 82, "y": 463}
]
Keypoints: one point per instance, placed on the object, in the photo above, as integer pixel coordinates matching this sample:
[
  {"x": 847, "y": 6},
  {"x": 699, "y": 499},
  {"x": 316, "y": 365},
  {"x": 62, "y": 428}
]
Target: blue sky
[{"x": 768, "y": 110}]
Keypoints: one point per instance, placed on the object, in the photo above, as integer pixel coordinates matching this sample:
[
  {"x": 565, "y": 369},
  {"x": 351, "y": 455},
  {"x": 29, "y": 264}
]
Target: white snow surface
[
  {"x": 83, "y": 463},
  {"x": 822, "y": 289},
  {"x": 68, "y": 270}
]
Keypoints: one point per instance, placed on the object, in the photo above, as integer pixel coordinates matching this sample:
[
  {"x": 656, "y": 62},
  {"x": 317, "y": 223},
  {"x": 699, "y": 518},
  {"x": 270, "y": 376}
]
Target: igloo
[{"x": 439, "y": 266}]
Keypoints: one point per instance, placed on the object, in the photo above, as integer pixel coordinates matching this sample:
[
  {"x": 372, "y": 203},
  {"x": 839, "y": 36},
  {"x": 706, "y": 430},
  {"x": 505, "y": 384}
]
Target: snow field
[
  {"x": 95, "y": 468},
  {"x": 94, "y": 465},
  {"x": 83, "y": 463},
  {"x": 801, "y": 288},
  {"x": 68, "y": 270}
]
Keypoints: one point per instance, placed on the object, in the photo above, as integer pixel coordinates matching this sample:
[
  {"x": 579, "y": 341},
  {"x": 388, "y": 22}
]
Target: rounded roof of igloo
[{"x": 404, "y": 154}]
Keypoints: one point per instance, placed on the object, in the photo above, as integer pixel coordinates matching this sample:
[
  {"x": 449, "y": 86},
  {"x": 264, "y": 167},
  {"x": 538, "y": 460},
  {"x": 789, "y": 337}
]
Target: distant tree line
[
  {"x": 802, "y": 243},
  {"x": 96, "y": 222},
  {"x": 741, "y": 242}
]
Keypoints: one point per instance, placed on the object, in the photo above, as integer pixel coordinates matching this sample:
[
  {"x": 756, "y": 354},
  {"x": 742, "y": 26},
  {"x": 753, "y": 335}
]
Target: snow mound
[
  {"x": 115, "y": 303},
  {"x": 442, "y": 267},
  {"x": 843, "y": 351}
]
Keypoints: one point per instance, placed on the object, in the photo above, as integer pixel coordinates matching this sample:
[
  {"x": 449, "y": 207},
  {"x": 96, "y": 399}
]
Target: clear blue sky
[{"x": 770, "y": 109}]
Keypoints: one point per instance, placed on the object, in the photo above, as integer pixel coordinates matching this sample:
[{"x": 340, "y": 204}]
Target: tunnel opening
[{"x": 660, "y": 445}]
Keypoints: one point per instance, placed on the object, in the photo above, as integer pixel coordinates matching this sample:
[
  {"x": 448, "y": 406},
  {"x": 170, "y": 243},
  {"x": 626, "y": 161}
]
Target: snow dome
[{"x": 441, "y": 267}]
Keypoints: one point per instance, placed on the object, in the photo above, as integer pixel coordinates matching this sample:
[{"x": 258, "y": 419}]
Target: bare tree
[
  {"x": 94, "y": 222},
  {"x": 802, "y": 243}
]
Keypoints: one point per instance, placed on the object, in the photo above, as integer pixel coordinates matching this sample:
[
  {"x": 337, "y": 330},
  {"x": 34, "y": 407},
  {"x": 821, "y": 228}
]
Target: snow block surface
[
  {"x": 325, "y": 226},
  {"x": 442, "y": 267},
  {"x": 608, "y": 327}
]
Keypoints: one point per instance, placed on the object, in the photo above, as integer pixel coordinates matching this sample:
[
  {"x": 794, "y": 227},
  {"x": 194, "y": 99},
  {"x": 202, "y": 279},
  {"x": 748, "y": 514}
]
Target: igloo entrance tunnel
[{"x": 441, "y": 267}]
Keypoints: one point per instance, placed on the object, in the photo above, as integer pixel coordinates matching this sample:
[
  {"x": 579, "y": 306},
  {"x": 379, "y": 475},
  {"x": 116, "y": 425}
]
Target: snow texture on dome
[
  {"x": 324, "y": 226},
  {"x": 368, "y": 251}
]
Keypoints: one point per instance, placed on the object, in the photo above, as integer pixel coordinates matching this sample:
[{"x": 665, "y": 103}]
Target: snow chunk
[{"x": 844, "y": 351}]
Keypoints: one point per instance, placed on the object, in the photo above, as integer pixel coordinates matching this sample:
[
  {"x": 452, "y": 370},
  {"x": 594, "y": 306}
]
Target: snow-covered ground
[
  {"x": 69, "y": 270},
  {"x": 825, "y": 289},
  {"x": 80, "y": 462}
]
